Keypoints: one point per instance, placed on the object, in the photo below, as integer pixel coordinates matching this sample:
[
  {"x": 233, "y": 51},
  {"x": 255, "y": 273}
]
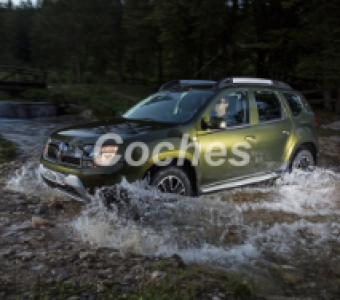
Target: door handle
[
  {"x": 250, "y": 138},
  {"x": 285, "y": 132}
]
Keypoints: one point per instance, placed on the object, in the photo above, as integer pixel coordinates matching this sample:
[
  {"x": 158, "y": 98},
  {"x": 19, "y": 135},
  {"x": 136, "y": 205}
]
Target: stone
[
  {"x": 157, "y": 275},
  {"x": 7, "y": 253},
  {"x": 84, "y": 255},
  {"x": 26, "y": 255},
  {"x": 103, "y": 273},
  {"x": 60, "y": 273},
  {"x": 39, "y": 222},
  {"x": 101, "y": 288},
  {"x": 36, "y": 267},
  {"x": 87, "y": 113}
]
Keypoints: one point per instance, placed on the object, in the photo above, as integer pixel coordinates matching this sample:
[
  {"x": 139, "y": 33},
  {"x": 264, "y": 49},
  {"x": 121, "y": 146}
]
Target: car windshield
[{"x": 173, "y": 107}]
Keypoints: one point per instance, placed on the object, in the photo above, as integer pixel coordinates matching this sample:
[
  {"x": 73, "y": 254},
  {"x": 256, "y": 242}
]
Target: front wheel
[
  {"x": 172, "y": 180},
  {"x": 303, "y": 160}
]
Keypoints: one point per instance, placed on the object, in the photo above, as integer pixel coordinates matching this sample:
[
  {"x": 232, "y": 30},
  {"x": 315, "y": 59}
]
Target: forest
[{"x": 152, "y": 41}]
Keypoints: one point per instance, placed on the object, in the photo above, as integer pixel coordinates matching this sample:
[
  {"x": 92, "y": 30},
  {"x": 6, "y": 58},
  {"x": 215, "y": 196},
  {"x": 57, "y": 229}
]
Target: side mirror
[{"x": 217, "y": 123}]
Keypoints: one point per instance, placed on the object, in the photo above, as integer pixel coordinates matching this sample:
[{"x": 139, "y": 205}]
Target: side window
[
  {"x": 233, "y": 108},
  {"x": 268, "y": 106},
  {"x": 294, "y": 103}
]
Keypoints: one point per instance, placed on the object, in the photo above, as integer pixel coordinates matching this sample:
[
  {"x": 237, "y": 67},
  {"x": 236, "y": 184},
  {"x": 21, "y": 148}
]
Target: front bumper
[
  {"x": 79, "y": 184},
  {"x": 71, "y": 185}
]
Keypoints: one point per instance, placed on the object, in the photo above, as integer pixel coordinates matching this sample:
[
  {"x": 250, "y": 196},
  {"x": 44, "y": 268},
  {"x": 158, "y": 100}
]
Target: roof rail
[
  {"x": 246, "y": 80},
  {"x": 185, "y": 83}
]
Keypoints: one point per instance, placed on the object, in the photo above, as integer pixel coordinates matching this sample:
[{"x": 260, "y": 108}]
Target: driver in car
[{"x": 220, "y": 109}]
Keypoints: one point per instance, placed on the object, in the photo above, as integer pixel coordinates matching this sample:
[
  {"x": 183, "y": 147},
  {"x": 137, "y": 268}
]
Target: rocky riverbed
[{"x": 283, "y": 238}]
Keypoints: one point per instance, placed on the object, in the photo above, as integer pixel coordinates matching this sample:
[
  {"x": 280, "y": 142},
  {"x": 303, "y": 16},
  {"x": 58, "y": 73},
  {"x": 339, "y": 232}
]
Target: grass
[
  {"x": 7, "y": 150},
  {"x": 178, "y": 284}
]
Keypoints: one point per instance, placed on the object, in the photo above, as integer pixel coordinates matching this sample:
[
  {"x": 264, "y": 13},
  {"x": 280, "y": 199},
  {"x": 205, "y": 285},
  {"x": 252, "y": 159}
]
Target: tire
[
  {"x": 172, "y": 180},
  {"x": 303, "y": 160}
]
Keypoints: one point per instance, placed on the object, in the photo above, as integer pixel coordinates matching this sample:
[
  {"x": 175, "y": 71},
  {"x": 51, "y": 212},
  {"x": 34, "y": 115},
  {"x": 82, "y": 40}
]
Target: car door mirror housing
[{"x": 217, "y": 123}]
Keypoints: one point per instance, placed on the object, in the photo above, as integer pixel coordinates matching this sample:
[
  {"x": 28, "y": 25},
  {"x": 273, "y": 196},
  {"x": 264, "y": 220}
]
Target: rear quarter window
[
  {"x": 294, "y": 103},
  {"x": 268, "y": 106}
]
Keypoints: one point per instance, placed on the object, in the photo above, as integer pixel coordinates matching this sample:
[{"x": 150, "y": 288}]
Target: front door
[{"x": 236, "y": 160}]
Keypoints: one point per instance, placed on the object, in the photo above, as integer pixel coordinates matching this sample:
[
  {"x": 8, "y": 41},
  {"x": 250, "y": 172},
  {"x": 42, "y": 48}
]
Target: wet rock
[
  {"x": 25, "y": 255},
  {"x": 40, "y": 222},
  {"x": 36, "y": 267},
  {"x": 87, "y": 113},
  {"x": 104, "y": 273},
  {"x": 101, "y": 288},
  {"x": 138, "y": 269},
  {"x": 84, "y": 255},
  {"x": 177, "y": 261},
  {"x": 60, "y": 273},
  {"x": 6, "y": 253},
  {"x": 157, "y": 275}
]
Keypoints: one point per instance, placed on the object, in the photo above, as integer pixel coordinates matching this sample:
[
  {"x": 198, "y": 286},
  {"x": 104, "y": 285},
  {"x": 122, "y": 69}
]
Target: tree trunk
[
  {"x": 327, "y": 95},
  {"x": 160, "y": 63},
  {"x": 230, "y": 63},
  {"x": 337, "y": 104},
  {"x": 133, "y": 68},
  {"x": 260, "y": 71},
  {"x": 78, "y": 70},
  {"x": 119, "y": 66}
]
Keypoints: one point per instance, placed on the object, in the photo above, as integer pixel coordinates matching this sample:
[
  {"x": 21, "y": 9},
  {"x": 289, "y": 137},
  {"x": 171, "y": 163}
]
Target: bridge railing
[{"x": 22, "y": 77}]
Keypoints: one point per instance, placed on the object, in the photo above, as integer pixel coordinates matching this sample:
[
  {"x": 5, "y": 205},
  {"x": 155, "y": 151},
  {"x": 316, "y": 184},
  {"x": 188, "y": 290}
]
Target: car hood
[{"x": 126, "y": 129}]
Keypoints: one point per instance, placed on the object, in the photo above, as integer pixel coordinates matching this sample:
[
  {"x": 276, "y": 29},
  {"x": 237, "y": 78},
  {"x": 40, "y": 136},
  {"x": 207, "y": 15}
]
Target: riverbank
[{"x": 7, "y": 150}]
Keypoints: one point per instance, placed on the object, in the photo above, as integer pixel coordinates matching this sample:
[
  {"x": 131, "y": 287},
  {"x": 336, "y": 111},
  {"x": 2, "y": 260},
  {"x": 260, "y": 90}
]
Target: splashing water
[
  {"x": 27, "y": 180},
  {"x": 228, "y": 229},
  {"x": 214, "y": 229}
]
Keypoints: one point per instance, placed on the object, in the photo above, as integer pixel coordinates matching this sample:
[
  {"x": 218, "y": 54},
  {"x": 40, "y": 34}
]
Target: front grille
[
  {"x": 64, "y": 154},
  {"x": 71, "y": 160}
]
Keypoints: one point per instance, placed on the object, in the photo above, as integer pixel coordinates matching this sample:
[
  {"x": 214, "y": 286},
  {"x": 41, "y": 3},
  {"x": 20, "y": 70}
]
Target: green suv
[{"x": 189, "y": 138}]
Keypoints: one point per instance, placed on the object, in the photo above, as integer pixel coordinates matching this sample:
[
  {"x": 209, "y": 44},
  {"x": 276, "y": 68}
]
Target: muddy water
[{"x": 285, "y": 236}]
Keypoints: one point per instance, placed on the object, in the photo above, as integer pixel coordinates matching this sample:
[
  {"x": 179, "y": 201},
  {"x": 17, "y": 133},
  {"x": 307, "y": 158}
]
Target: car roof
[
  {"x": 187, "y": 83},
  {"x": 225, "y": 83},
  {"x": 249, "y": 81}
]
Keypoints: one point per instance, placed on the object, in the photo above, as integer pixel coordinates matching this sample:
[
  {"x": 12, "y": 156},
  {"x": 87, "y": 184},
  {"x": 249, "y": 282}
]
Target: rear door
[{"x": 272, "y": 130}]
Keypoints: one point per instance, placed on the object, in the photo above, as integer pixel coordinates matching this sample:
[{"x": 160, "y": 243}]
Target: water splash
[
  {"x": 300, "y": 193},
  {"x": 225, "y": 229},
  {"x": 213, "y": 229},
  {"x": 28, "y": 181}
]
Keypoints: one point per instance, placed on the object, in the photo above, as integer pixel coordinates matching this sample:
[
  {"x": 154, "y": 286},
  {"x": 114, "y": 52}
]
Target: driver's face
[{"x": 221, "y": 107}]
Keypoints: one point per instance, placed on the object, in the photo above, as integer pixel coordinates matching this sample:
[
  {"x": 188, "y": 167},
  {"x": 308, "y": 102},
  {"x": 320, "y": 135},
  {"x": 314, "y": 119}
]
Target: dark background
[{"x": 152, "y": 41}]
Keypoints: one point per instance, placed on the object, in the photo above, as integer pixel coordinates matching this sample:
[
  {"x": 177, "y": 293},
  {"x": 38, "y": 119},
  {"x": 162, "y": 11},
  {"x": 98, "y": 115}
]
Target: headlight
[{"x": 104, "y": 156}]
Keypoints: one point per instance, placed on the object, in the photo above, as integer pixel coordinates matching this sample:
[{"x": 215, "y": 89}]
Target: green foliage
[
  {"x": 7, "y": 150},
  {"x": 135, "y": 41},
  {"x": 36, "y": 95}
]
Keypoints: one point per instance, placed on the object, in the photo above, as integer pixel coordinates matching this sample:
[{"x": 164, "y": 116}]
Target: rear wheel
[
  {"x": 172, "y": 180},
  {"x": 303, "y": 160}
]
